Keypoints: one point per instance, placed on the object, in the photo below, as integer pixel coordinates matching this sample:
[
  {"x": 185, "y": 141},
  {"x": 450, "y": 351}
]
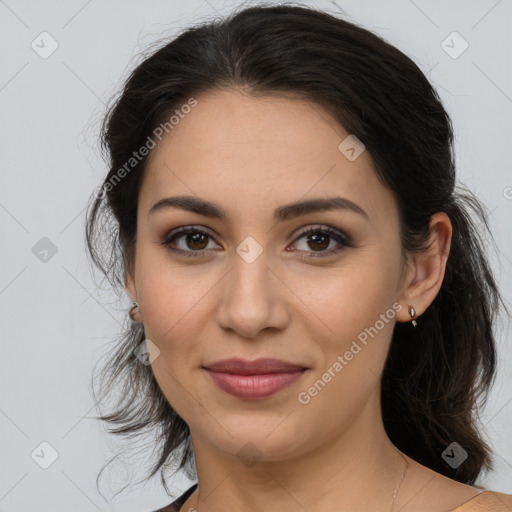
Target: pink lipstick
[{"x": 254, "y": 379}]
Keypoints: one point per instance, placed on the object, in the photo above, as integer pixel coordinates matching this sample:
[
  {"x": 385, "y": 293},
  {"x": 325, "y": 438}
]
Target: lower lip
[{"x": 254, "y": 386}]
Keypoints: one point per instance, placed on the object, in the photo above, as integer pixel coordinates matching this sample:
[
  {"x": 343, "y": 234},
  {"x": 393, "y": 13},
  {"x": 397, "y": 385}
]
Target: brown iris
[
  {"x": 197, "y": 238},
  {"x": 315, "y": 238}
]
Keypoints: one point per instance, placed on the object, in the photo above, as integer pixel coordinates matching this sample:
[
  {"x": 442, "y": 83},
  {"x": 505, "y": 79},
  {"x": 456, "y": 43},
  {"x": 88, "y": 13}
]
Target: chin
[{"x": 266, "y": 439}]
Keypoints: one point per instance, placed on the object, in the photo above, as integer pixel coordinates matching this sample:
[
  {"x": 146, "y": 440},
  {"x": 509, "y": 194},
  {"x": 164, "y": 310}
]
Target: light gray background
[{"x": 56, "y": 322}]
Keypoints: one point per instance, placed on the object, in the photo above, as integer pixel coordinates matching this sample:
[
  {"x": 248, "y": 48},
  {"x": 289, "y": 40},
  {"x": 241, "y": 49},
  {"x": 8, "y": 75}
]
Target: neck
[{"x": 357, "y": 471}]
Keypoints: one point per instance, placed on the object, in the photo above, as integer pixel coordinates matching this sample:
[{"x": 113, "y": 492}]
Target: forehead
[{"x": 259, "y": 152}]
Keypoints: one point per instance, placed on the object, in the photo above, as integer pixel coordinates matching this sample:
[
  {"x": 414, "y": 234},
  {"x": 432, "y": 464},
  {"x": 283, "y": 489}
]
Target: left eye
[{"x": 317, "y": 239}]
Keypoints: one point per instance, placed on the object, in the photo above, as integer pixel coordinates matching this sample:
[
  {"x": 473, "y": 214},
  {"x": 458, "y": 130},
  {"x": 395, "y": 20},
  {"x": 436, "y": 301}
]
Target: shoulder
[
  {"x": 425, "y": 490},
  {"x": 487, "y": 501}
]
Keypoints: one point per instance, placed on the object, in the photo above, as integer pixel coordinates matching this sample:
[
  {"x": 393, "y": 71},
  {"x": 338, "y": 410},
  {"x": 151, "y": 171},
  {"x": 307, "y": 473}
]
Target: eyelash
[{"x": 342, "y": 239}]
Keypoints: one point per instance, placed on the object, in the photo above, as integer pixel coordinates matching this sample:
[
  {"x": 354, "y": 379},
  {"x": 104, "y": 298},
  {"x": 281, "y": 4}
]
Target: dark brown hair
[{"x": 436, "y": 376}]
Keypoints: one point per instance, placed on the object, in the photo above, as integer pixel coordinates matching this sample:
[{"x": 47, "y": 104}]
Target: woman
[{"x": 313, "y": 309}]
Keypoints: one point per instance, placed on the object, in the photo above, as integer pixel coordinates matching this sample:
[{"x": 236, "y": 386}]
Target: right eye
[{"x": 194, "y": 241}]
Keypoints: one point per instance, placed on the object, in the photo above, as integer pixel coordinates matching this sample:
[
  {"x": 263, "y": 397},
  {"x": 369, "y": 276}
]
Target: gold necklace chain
[{"x": 400, "y": 482}]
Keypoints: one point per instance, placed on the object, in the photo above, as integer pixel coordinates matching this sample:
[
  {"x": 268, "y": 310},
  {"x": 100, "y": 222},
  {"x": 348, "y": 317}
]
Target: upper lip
[{"x": 258, "y": 366}]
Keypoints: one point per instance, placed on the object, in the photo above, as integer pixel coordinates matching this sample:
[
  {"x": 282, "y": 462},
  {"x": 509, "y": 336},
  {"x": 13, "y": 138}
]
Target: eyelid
[
  {"x": 188, "y": 228},
  {"x": 312, "y": 228}
]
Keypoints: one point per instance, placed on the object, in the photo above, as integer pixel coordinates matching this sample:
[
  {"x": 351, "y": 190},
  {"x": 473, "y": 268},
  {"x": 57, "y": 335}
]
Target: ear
[
  {"x": 425, "y": 275},
  {"x": 132, "y": 292}
]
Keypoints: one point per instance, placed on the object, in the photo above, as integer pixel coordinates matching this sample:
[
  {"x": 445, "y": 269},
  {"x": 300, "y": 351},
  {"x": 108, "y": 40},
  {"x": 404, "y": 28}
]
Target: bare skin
[{"x": 252, "y": 155}]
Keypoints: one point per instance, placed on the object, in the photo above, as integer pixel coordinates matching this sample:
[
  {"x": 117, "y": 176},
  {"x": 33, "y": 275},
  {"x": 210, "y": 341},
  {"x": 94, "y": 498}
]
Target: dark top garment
[{"x": 178, "y": 502}]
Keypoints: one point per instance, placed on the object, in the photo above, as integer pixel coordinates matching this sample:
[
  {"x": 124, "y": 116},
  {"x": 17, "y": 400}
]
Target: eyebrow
[{"x": 285, "y": 212}]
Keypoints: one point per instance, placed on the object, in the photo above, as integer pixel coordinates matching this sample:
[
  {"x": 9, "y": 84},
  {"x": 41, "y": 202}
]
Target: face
[{"x": 251, "y": 284}]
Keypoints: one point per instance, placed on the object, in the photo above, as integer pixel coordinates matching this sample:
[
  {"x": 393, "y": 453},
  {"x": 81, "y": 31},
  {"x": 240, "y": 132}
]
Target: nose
[{"x": 254, "y": 298}]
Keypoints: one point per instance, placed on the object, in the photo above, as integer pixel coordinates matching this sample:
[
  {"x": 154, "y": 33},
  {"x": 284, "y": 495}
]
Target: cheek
[
  {"x": 174, "y": 318},
  {"x": 174, "y": 296},
  {"x": 351, "y": 297},
  {"x": 356, "y": 304},
  {"x": 354, "y": 353}
]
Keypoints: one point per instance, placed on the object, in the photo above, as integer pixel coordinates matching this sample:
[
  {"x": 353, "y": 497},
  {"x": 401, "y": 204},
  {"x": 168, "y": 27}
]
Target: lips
[
  {"x": 254, "y": 379},
  {"x": 257, "y": 367}
]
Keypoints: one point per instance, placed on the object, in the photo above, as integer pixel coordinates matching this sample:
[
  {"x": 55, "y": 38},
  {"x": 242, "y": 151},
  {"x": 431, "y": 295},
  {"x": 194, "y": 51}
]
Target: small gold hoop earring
[
  {"x": 133, "y": 311},
  {"x": 412, "y": 312}
]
